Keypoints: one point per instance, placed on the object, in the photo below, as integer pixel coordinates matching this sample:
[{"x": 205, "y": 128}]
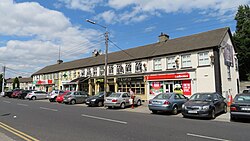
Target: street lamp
[{"x": 106, "y": 54}]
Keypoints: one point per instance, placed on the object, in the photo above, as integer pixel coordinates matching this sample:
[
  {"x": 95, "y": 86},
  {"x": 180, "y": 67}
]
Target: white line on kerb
[
  {"x": 6, "y": 101},
  {"x": 207, "y": 137},
  {"x": 22, "y": 104},
  {"x": 106, "y": 119},
  {"x": 55, "y": 110}
]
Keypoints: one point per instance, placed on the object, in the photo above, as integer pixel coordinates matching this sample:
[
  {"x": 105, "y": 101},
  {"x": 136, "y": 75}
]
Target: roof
[
  {"x": 21, "y": 80},
  {"x": 198, "y": 41}
]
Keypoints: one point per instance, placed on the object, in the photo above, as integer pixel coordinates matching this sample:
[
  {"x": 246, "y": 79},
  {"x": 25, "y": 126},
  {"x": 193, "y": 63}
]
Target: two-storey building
[
  {"x": 24, "y": 83},
  {"x": 204, "y": 62}
]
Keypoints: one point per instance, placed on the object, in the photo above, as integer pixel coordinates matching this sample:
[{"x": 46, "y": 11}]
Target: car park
[
  {"x": 36, "y": 95},
  {"x": 60, "y": 97},
  {"x": 74, "y": 97},
  {"x": 204, "y": 105},
  {"x": 53, "y": 94},
  {"x": 97, "y": 100},
  {"x": 167, "y": 102},
  {"x": 121, "y": 99},
  {"x": 240, "y": 108}
]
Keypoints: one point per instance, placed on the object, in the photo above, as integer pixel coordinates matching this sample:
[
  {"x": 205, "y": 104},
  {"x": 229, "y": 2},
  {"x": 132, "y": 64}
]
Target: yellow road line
[{"x": 18, "y": 133}]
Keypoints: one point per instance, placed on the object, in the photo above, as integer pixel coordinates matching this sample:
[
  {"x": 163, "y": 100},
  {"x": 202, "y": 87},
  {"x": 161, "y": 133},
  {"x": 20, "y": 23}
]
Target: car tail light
[
  {"x": 233, "y": 109},
  {"x": 166, "y": 102},
  {"x": 150, "y": 102},
  {"x": 114, "y": 100}
]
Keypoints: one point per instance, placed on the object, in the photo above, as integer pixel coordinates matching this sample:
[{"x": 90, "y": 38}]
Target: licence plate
[
  {"x": 245, "y": 109},
  {"x": 193, "y": 112},
  {"x": 87, "y": 102}
]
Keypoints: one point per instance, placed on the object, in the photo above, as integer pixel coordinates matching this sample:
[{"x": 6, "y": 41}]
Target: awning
[{"x": 80, "y": 79}]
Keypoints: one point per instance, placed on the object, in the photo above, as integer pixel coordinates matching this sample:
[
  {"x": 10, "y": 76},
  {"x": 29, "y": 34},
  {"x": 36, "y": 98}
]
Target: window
[
  {"x": 101, "y": 70},
  {"x": 74, "y": 74},
  {"x": 111, "y": 69},
  {"x": 95, "y": 71},
  {"x": 157, "y": 64},
  {"x": 120, "y": 69},
  {"x": 203, "y": 58},
  {"x": 171, "y": 63},
  {"x": 186, "y": 61},
  {"x": 83, "y": 72},
  {"x": 89, "y": 72},
  {"x": 128, "y": 68},
  {"x": 228, "y": 72},
  {"x": 137, "y": 87},
  {"x": 236, "y": 64},
  {"x": 138, "y": 67}
]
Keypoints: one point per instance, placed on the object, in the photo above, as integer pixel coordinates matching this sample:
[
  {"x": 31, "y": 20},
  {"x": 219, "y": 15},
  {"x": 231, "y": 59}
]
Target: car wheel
[
  {"x": 154, "y": 111},
  {"x": 212, "y": 115},
  {"x": 232, "y": 118},
  {"x": 33, "y": 98},
  {"x": 72, "y": 102},
  {"x": 100, "y": 104},
  {"x": 122, "y": 106},
  {"x": 225, "y": 109},
  {"x": 138, "y": 103},
  {"x": 175, "y": 110},
  {"x": 50, "y": 100}
]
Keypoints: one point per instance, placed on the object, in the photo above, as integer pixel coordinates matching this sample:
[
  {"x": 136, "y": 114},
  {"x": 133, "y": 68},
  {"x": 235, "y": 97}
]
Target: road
[{"x": 59, "y": 122}]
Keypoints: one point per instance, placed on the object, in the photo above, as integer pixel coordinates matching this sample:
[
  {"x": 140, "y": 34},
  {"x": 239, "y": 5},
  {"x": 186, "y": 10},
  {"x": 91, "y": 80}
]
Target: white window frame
[
  {"x": 95, "y": 71},
  {"x": 111, "y": 69},
  {"x": 171, "y": 62},
  {"x": 138, "y": 66},
  {"x": 203, "y": 58},
  {"x": 128, "y": 68},
  {"x": 120, "y": 69},
  {"x": 157, "y": 64},
  {"x": 186, "y": 61},
  {"x": 101, "y": 70}
]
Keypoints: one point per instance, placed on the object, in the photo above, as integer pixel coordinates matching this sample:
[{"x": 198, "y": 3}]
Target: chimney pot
[{"x": 163, "y": 37}]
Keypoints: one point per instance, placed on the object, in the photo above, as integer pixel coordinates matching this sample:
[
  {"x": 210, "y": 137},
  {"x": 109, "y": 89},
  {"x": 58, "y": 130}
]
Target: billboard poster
[
  {"x": 186, "y": 87},
  {"x": 156, "y": 88}
]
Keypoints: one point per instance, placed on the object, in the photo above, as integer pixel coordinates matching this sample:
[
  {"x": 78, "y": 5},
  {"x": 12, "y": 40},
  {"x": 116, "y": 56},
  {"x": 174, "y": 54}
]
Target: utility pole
[
  {"x": 106, "y": 55},
  {"x": 3, "y": 80}
]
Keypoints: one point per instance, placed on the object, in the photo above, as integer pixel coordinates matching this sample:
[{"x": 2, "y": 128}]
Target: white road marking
[
  {"x": 206, "y": 137},
  {"x": 22, "y": 104},
  {"x": 55, "y": 110},
  {"x": 7, "y": 101},
  {"x": 106, "y": 119}
]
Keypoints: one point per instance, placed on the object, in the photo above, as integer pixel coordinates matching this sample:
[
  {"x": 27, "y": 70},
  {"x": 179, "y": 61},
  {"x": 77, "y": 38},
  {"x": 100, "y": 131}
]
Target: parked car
[
  {"x": 8, "y": 93},
  {"x": 74, "y": 97},
  {"x": 167, "y": 102},
  {"x": 60, "y": 97},
  {"x": 16, "y": 93},
  {"x": 121, "y": 99},
  {"x": 23, "y": 93},
  {"x": 246, "y": 91},
  {"x": 53, "y": 94},
  {"x": 97, "y": 100},
  {"x": 204, "y": 105},
  {"x": 36, "y": 95},
  {"x": 240, "y": 108}
]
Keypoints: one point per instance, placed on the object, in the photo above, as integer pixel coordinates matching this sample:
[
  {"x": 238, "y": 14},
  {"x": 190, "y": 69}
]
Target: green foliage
[
  {"x": 16, "y": 83},
  {"x": 242, "y": 41}
]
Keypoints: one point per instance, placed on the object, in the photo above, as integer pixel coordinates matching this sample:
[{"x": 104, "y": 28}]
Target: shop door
[{"x": 169, "y": 87}]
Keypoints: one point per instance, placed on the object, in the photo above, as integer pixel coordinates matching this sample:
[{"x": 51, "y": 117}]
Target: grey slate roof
[
  {"x": 21, "y": 80},
  {"x": 199, "y": 41}
]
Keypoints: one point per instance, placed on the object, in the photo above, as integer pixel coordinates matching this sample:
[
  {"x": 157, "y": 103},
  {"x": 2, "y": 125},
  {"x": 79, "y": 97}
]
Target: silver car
[
  {"x": 121, "y": 99},
  {"x": 36, "y": 95},
  {"x": 74, "y": 97}
]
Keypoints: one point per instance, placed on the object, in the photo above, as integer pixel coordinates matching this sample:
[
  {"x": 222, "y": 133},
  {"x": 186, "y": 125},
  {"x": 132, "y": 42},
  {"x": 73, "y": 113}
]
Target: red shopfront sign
[
  {"x": 168, "y": 76},
  {"x": 42, "y": 82},
  {"x": 186, "y": 87}
]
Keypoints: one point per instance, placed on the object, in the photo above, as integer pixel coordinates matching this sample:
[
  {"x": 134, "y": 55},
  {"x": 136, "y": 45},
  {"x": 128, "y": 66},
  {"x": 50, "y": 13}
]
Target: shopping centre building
[{"x": 203, "y": 62}]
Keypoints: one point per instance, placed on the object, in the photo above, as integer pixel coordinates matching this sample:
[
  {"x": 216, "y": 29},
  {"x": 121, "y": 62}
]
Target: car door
[
  {"x": 216, "y": 102},
  {"x": 77, "y": 97},
  {"x": 183, "y": 99},
  {"x": 37, "y": 94},
  {"x": 177, "y": 100},
  {"x": 221, "y": 99},
  {"x": 126, "y": 98}
]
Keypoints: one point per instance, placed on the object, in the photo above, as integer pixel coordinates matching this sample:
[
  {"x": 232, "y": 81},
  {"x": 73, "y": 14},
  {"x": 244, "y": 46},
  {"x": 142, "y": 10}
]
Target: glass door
[{"x": 169, "y": 87}]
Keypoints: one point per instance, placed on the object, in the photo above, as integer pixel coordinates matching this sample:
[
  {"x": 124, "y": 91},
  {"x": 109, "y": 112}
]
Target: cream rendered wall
[{"x": 229, "y": 86}]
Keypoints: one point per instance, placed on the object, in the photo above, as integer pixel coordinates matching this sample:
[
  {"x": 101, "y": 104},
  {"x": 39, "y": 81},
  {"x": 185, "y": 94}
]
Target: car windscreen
[
  {"x": 242, "y": 98},
  {"x": 115, "y": 95},
  {"x": 69, "y": 93},
  {"x": 246, "y": 91},
  {"x": 99, "y": 94},
  {"x": 201, "y": 97},
  {"x": 163, "y": 96}
]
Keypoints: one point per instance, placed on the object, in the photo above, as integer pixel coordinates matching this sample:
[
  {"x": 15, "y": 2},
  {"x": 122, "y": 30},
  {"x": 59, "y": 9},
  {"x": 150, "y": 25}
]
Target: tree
[
  {"x": 242, "y": 41},
  {"x": 16, "y": 83},
  {"x": 1, "y": 81}
]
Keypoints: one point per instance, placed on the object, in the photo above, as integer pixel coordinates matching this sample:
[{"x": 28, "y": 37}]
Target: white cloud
[
  {"x": 84, "y": 5},
  {"x": 180, "y": 28},
  {"x": 149, "y": 29},
  {"x": 44, "y": 31}
]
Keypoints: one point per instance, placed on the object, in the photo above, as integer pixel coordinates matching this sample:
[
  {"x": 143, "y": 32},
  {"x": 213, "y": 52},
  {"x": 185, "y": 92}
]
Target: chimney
[
  {"x": 59, "y": 61},
  {"x": 163, "y": 37}
]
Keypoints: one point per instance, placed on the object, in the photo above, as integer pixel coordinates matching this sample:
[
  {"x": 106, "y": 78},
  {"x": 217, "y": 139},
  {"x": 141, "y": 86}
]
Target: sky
[{"x": 33, "y": 32}]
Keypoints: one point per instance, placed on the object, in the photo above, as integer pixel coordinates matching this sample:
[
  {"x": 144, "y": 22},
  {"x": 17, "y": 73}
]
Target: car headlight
[
  {"x": 205, "y": 107},
  {"x": 93, "y": 100}
]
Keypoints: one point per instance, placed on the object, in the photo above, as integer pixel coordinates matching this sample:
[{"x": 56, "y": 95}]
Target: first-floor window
[
  {"x": 102, "y": 70},
  {"x": 120, "y": 69},
  {"x": 186, "y": 61},
  {"x": 203, "y": 58},
  {"x": 111, "y": 69},
  {"x": 171, "y": 63},
  {"x": 138, "y": 67},
  {"x": 157, "y": 64},
  {"x": 95, "y": 71},
  {"x": 128, "y": 68},
  {"x": 89, "y": 72}
]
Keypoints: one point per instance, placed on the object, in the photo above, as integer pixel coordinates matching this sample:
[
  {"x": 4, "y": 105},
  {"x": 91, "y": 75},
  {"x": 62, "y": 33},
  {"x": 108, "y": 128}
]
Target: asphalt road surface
[{"x": 45, "y": 121}]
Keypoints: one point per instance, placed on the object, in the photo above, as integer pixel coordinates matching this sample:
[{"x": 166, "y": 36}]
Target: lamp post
[
  {"x": 106, "y": 54},
  {"x": 3, "y": 76}
]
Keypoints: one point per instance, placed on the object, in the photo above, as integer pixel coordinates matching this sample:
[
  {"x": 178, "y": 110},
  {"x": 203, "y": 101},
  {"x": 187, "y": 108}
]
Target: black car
[
  {"x": 204, "y": 105},
  {"x": 23, "y": 94},
  {"x": 240, "y": 108},
  {"x": 97, "y": 100},
  {"x": 8, "y": 93}
]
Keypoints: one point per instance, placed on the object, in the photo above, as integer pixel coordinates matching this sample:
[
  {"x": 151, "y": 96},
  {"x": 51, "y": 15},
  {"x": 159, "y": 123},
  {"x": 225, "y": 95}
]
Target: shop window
[
  {"x": 157, "y": 64},
  {"x": 102, "y": 70},
  {"x": 120, "y": 69},
  {"x": 203, "y": 58},
  {"x": 111, "y": 69},
  {"x": 138, "y": 67},
  {"x": 171, "y": 63},
  {"x": 137, "y": 87},
  {"x": 128, "y": 68},
  {"x": 186, "y": 61},
  {"x": 95, "y": 71}
]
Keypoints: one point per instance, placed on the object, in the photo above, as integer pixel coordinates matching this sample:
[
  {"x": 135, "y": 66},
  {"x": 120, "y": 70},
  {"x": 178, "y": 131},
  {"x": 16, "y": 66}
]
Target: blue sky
[{"x": 32, "y": 31}]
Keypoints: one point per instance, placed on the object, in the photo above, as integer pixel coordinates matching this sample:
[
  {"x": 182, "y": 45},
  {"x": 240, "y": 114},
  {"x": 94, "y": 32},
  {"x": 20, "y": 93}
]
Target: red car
[
  {"x": 60, "y": 97},
  {"x": 16, "y": 93}
]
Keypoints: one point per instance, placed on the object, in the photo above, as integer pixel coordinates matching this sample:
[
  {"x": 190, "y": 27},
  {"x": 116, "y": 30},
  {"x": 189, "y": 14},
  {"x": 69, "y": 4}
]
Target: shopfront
[
  {"x": 45, "y": 85},
  {"x": 135, "y": 83},
  {"x": 176, "y": 82}
]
